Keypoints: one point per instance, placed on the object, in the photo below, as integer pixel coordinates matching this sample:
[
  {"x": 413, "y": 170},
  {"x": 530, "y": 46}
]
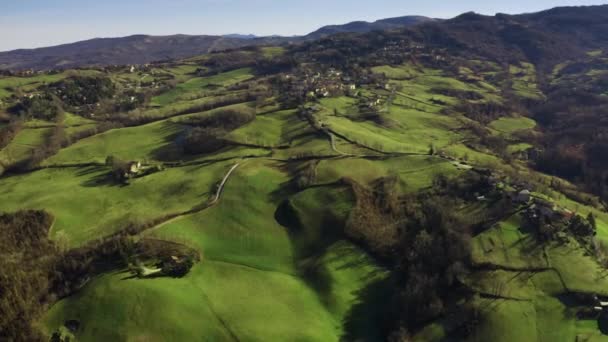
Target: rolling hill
[{"x": 441, "y": 182}]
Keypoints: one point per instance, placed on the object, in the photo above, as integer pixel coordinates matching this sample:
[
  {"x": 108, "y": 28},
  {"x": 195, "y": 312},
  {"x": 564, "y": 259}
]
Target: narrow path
[
  {"x": 218, "y": 193},
  {"x": 332, "y": 141},
  {"x": 161, "y": 221}
]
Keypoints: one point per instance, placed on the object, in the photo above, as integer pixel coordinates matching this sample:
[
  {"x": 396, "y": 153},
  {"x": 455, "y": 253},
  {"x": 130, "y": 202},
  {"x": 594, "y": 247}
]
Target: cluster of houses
[
  {"x": 539, "y": 207},
  {"x": 322, "y": 84}
]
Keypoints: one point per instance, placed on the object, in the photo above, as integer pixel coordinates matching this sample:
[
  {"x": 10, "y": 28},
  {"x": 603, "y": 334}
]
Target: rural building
[
  {"x": 523, "y": 196},
  {"x": 133, "y": 167}
]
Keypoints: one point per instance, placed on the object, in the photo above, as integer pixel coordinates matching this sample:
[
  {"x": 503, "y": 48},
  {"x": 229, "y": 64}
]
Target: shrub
[{"x": 176, "y": 266}]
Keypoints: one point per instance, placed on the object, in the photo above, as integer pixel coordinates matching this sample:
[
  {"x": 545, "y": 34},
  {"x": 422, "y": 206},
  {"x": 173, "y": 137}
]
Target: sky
[{"x": 37, "y": 23}]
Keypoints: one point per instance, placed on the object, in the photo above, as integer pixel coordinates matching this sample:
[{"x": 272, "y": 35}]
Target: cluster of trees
[
  {"x": 484, "y": 112},
  {"x": 83, "y": 90},
  {"x": 176, "y": 267},
  {"x": 582, "y": 227},
  {"x": 576, "y": 137},
  {"x": 130, "y": 100},
  {"x": 426, "y": 239},
  {"x": 43, "y": 106},
  {"x": 73, "y": 93},
  {"x": 26, "y": 258},
  {"x": 209, "y": 131}
]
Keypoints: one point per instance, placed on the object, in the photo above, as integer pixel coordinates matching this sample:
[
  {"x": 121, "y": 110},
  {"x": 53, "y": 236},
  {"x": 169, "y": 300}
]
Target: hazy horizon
[{"x": 38, "y": 23}]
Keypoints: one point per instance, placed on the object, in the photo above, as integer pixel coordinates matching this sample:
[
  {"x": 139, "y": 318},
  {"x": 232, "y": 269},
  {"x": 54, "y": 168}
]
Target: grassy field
[
  {"x": 415, "y": 173},
  {"x": 512, "y": 125},
  {"x": 147, "y": 142},
  {"x": 272, "y": 130},
  {"x": 249, "y": 262},
  {"x": 87, "y": 205},
  {"x": 412, "y": 131},
  {"x": 524, "y": 81},
  {"x": 23, "y": 145},
  {"x": 194, "y": 86}
]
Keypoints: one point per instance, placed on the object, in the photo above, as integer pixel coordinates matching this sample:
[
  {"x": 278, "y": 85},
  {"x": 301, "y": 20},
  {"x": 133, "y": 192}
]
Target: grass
[
  {"x": 87, "y": 206},
  {"x": 241, "y": 228},
  {"x": 306, "y": 146},
  {"x": 412, "y": 131},
  {"x": 271, "y": 130},
  {"x": 512, "y": 125},
  {"x": 343, "y": 105},
  {"x": 524, "y": 81},
  {"x": 23, "y": 145},
  {"x": 216, "y": 300},
  {"x": 519, "y": 147},
  {"x": 272, "y": 51},
  {"x": 275, "y": 262},
  {"x": 147, "y": 142},
  {"x": 407, "y": 71},
  {"x": 507, "y": 244},
  {"x": 195, "y": 85},
  {"x": 501, "y": 316},
  {"x": 415, "y": 173},
  {"x": 74, "y": 120},
  {"x": 248, "y": 264}
]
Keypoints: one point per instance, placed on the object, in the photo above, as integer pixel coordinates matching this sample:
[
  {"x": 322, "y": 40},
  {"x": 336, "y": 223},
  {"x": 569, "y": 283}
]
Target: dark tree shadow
[
  {"x": 602, "y": 323},
  {"x": 95, "y": 178},
  {"x": 173, "y": 149},
  {"x": 368, "y": 318}
]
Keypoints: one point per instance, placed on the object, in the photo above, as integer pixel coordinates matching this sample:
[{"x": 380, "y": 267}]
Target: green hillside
[{"x": 386, "y": 186}]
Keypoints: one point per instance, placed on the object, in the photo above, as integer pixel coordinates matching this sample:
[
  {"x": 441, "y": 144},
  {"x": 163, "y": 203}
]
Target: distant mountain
[
  {"x": 135, "y": 49},
  {"x": 541, "y": 38},
  {"x": 553, "y": 34},
  {"x": 241, "y": 36},
  {"x": 139, "y": 49},
  {"x": 364, "y": 26}
]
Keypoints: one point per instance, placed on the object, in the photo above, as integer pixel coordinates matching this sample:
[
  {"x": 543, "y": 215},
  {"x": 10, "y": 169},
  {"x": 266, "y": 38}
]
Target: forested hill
[
  {"x": 137, "y": 49},
  {"x": 446, "y": 181},
  {"x": 364, "y": 26},
  {"x": 140, "y": 49}
]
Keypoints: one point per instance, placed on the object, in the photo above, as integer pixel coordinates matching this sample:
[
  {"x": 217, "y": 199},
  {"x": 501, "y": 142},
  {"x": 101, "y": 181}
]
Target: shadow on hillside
[
  {"x": 309, "y": 250},
  {"x": 602, "y": 323},
  {"x": 368, "y": 317},
  {"x": 95, "y": 178},
  {"x": 173, "y": 149}
]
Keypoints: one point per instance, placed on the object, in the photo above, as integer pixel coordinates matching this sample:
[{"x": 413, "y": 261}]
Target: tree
[
  {"x": 581, "y": 227},
  {"x": 591, "y": 220}
]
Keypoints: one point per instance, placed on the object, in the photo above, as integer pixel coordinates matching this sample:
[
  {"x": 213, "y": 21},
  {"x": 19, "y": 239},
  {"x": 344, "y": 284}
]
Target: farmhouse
[
  {"x": 523, "y": 196},
  {"x": 133, "y": 167}
]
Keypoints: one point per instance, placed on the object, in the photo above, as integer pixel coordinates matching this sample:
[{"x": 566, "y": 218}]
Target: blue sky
[{"x": 35, "y": 23}]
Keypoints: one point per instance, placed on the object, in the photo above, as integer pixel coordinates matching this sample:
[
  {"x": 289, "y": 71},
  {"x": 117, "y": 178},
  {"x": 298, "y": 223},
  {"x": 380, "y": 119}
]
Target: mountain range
[{"x": 139, "y": 49}]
